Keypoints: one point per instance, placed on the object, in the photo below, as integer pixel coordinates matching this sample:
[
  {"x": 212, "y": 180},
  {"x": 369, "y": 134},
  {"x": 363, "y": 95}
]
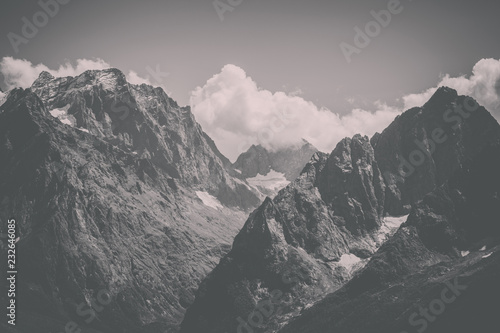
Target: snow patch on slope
[
  {"x": 3, "y": 97},
  {"x": 63, "y": 116},
  {"x": 351, "y": 262},
  {"x": 209, "y": 200},
  {"x": 389, "y": 226},
  {"x": 273, "y": 181}
]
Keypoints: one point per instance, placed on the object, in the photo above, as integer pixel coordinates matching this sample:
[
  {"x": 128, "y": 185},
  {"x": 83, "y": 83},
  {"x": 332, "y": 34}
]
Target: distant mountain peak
[
  {"x": 260, "y": 160},
  {"x": 43, "y": 78},
  {"x": 443, "y": 95}
]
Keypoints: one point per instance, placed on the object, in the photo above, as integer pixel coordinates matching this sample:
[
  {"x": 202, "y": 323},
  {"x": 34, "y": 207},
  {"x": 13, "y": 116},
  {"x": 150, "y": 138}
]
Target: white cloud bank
[
  {"x": 236, "y": 113},
  {"x": 483, "y": 85},
  {"x": 134, "y": 78},
  {"x": 22, "y": 73}
]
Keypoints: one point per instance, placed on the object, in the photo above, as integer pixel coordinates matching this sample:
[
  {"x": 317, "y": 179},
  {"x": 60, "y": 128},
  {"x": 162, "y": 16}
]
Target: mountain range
[
  {"x": 434, "y": 169},
  {"x": 125, "y": 206}
]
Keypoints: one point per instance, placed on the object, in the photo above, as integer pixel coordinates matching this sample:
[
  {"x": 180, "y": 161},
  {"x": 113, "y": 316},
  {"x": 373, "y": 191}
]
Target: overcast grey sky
[{"x": 283, "y": 45}]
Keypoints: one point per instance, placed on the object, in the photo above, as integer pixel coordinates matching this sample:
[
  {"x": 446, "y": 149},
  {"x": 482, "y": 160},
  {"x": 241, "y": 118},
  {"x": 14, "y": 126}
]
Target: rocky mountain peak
[
  {"x": 43, "y": 79},
  {"x": 443, "y": 95},
  {"x": 144, "y": 121},
  {"x": 422, "y": 148}
]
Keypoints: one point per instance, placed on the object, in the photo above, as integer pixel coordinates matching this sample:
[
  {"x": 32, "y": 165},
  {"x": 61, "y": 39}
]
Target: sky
[{"x": 267, "y": 72}]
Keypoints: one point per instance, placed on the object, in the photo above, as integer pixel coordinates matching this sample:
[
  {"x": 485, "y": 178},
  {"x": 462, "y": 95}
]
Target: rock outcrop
[
  {"x": 119, "y": 196},
  {"x": 438, "y": 273}
]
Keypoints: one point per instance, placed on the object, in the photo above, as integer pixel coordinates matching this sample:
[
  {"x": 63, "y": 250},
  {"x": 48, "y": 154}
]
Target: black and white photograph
[{"x": 250, "y": 166}]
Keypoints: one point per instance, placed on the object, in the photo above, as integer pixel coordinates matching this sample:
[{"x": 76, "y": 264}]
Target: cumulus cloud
[
  {"x": 483, "y": 85},
  {"x": 236, "y": 113},
  {"x": 22, "y": 73},
  {"x": 155, "y": 78},
  {"x": 134, "y": 78}
]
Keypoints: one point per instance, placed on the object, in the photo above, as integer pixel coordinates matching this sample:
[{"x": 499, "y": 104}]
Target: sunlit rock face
[{"x": 102, "y": 177}]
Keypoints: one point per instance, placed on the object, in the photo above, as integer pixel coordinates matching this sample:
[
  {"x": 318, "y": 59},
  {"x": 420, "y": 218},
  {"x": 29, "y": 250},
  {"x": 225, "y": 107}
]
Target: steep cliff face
[
  {"x": 424, "y": 146},
  {"x": 328, "y": 223},
  {"x": 131, "y": 206},
  {"x": 145, "y": 121},
  {"x": 451, "y": 238}
]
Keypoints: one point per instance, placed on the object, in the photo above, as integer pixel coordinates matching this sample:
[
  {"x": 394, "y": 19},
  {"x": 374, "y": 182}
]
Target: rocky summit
[
  {"x": 344, "y": 212},
  {"x": 146, "y": 122},
  {"x": 123, "y": 204}
]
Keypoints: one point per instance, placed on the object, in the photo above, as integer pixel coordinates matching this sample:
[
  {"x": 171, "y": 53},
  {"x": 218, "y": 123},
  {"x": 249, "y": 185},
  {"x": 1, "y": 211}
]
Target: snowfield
[
  {"x": 209, "y": 200},
  {"x": 63, "y": 116},
  {"x": 351, "y": 262},
  {"x": 273, "y": 181},
  {"x": 389, "y": 227}
]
